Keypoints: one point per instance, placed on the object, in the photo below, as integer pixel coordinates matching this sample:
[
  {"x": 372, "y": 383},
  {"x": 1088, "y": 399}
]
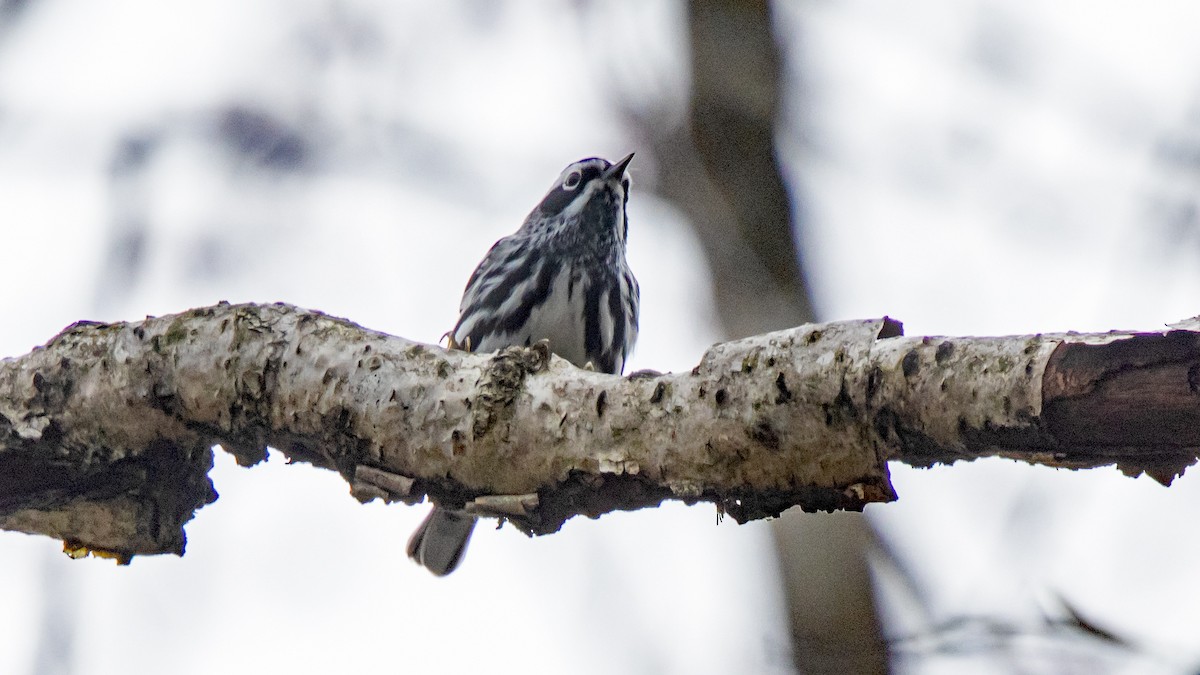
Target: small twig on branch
[{"x": 106, "y": 431}]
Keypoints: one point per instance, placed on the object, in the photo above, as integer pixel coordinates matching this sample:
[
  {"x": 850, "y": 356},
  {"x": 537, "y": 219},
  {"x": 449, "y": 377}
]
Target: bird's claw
[{"x": 451, "y": 343}]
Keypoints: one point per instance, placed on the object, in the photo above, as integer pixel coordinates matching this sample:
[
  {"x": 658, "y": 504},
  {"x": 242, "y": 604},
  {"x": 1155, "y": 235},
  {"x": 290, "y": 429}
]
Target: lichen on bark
[{"x": 106, "y": 432}]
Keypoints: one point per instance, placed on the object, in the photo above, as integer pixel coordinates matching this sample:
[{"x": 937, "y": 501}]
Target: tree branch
[{"x": 106, "y": 431}]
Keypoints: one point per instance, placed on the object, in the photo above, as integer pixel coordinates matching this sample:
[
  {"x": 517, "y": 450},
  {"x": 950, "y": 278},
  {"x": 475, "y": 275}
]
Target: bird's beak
[{"x": 617, "y": 170}]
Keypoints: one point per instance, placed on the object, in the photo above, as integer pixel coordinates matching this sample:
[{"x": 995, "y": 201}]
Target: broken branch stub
[{"x": 1064, "y": 400}]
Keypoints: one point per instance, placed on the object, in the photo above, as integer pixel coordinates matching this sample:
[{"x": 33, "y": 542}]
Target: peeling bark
[{"x": 106, "y": 431}]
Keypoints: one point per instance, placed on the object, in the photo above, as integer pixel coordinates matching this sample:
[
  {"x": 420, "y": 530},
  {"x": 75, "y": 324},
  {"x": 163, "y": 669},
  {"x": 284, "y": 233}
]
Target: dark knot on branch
[{"x": 503, "y": 381}]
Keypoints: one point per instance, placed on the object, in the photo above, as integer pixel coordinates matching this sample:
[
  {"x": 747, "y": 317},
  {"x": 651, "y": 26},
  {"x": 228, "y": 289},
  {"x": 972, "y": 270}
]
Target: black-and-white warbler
[{"x": 562, "y": 277}]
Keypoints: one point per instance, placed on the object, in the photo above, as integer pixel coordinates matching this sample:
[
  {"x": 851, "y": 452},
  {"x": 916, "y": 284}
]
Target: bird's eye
[{"x": 572, "y": 180}]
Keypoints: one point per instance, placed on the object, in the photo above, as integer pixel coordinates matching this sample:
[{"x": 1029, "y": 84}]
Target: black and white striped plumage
[{"x": 561, "y": 277}]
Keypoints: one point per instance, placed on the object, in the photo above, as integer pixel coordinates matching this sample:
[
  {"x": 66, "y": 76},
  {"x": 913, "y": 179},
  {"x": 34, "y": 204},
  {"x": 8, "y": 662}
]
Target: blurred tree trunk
[{"x": 721, "y": 170}]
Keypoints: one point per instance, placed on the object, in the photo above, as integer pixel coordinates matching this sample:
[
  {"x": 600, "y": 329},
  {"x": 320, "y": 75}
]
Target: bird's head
[{"x": 587, "y": 201}]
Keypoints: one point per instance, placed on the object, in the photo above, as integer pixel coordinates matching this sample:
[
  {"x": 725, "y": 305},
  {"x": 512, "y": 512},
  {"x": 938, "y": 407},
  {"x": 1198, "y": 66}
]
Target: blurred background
[{"x": 970, "y": 167}]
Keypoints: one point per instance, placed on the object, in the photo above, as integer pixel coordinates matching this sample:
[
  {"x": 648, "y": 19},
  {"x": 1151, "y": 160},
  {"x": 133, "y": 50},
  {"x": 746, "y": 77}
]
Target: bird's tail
[{"x": 440, "y": 542}]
